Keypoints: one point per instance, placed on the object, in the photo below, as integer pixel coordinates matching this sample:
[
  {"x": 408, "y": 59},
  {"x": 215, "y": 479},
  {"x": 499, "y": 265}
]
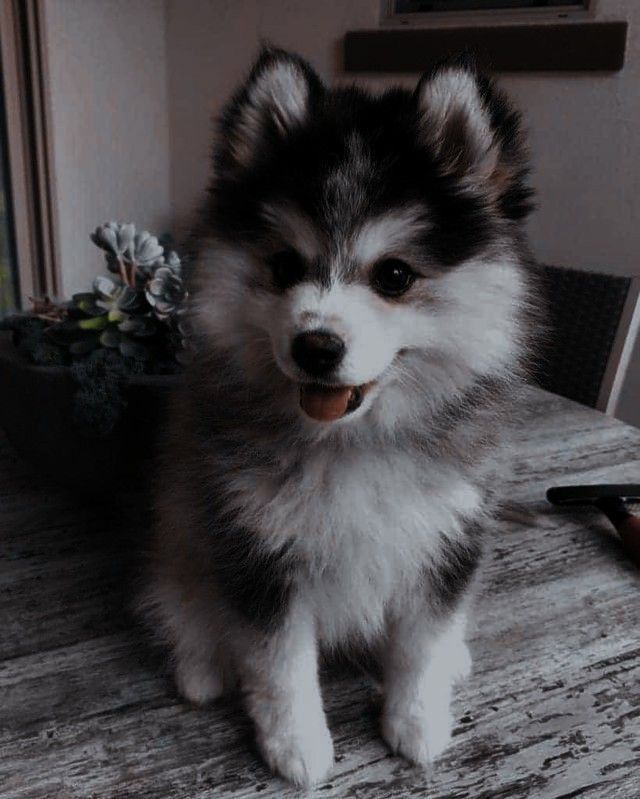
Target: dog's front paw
[
  {"x": 304, "y": 757},
  {"x": 415, "y": 736},
  {"x": 461, "y": 663},
  {"x": 199, "y": 681}
]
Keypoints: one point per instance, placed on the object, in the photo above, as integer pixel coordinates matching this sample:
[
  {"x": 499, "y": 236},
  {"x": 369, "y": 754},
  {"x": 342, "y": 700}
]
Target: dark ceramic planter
[{"x": 36, "y": 412}]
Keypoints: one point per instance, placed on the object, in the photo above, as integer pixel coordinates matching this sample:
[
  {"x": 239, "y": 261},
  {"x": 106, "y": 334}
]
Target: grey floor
[{"x": 87, "y": 708}]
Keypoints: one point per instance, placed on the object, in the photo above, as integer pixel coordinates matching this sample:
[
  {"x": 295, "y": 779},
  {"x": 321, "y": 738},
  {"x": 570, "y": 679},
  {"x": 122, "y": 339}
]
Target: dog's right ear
[
  {"x": 273, "y": 102},
  {"x": 455, "y": 120},
  {"x": 474, "y": 134}
]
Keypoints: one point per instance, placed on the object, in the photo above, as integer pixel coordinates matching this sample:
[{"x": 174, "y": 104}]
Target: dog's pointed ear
[
  {"x": 455, "y": 121},
  {"x": 275, "y": 100}
]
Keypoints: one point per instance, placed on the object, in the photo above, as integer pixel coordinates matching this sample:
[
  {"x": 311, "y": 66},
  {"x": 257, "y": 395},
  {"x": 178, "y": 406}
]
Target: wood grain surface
[{"x": 87, "y": 708}]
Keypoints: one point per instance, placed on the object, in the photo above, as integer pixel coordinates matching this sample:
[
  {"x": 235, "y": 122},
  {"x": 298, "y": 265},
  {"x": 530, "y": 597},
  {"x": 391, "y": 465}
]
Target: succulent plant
[
  {"x": 129, "y": 254},
  {"x": 165, "y": 292},
  {"x": 115, "y": 299},
  {"x": 131, "y": 321},
  {"x": 116, "y": 238},
  {"x": 147, "y": 251}
]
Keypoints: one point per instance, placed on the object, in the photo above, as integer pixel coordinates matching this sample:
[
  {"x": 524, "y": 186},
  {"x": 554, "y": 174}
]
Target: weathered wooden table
[{"x": 87, "y": 708}]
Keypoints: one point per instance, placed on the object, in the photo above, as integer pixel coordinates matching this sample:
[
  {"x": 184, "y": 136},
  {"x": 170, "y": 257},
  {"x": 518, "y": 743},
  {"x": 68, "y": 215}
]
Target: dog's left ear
[
  {"x": 274, "y": 101},
  {"x": 455, "y": 121},
  {"x": 475, "y": 135}
]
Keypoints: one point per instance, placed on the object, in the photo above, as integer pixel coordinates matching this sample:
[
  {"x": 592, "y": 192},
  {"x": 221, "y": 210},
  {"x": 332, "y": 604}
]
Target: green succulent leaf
[
  {"x": 110, "y": 337},
  {"x": 138, "y": 326},
  {"x": 116, "y": 315},
  {"x": 94, "y": 323},
  {"x": 86, "y": 302},
  {"x": 129, "y": 300},
  {"x": 75, "y": 313},
  {"x": 105, "y": 287},
  {"x": 84, "y": 345}
]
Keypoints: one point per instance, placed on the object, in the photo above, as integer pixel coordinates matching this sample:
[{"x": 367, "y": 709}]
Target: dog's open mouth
[{"x": 329, "y": 403}]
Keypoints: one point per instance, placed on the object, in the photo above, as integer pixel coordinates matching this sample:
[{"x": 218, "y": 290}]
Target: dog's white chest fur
[{"x": 365, "y": 524}]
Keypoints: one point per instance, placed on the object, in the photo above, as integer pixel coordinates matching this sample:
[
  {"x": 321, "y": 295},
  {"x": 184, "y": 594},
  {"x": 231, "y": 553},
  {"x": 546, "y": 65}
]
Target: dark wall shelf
[{"x": 538, "y": 47}]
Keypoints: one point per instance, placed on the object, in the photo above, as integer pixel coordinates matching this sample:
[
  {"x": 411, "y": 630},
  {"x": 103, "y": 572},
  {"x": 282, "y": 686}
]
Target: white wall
[
  {"x": 110, "y": 124},
  {"x": 210, "y": 44}
]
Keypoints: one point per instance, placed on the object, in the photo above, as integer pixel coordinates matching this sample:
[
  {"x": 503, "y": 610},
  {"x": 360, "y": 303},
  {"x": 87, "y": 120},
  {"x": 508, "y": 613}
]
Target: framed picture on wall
[{"x": 417, "y": 12}]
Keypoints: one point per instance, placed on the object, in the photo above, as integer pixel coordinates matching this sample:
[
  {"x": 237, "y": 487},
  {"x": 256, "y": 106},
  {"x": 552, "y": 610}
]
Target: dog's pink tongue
[{"x": 325, "y": 403}]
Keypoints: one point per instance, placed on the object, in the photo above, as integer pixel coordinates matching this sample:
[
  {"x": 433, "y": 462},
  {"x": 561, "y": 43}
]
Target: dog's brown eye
[
  {"x": 287, "y": 267},
  {"x": 392, "y": 277}
]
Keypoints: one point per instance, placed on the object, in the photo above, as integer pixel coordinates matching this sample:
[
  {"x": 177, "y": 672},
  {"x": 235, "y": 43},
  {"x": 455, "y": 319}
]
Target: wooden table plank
[{"x": 552, "y": 709}]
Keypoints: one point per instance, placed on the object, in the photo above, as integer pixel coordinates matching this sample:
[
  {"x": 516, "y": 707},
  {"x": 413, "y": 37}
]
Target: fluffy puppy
[{"x": 360, "y": 313}]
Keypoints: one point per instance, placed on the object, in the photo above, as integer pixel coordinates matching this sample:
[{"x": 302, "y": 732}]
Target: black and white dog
[{"x": 361, "y": 309}]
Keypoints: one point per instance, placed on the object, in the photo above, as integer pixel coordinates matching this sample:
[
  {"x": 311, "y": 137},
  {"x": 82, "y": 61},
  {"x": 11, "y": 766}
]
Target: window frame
[
  {"x": 29, "y": 155},
  {"x": 486, "y": 16}
]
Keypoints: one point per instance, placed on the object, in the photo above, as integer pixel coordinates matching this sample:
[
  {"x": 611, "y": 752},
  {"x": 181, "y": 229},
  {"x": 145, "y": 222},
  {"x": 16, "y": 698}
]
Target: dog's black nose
[{"x": 317, "y": 352}]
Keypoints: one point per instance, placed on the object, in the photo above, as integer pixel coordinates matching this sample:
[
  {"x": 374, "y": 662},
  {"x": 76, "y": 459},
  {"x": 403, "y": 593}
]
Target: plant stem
[{"x": 123, "y": 271}]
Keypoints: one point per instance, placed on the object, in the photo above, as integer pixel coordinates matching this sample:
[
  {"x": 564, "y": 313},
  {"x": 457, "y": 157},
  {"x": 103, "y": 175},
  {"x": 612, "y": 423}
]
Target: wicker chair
[{"x": 593, "y": 320}]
